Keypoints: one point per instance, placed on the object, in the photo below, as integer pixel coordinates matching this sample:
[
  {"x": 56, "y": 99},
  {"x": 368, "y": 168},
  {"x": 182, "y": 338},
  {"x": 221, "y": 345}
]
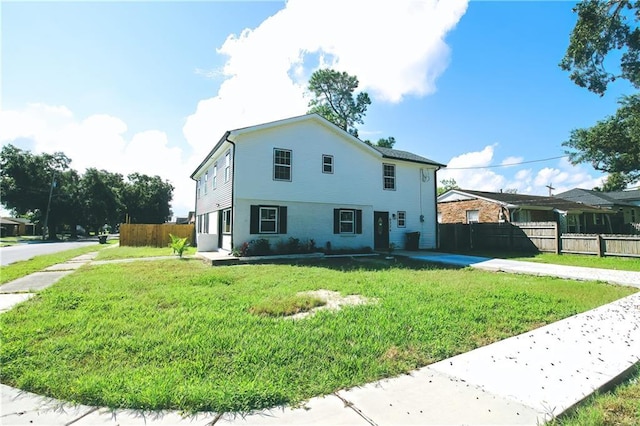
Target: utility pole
[
  {"x": 45, "y": 229},
  {"x": 551, "y": 188}
]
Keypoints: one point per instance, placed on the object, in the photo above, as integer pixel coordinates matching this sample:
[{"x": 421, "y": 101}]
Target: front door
[{"x": 381, "y": 230}]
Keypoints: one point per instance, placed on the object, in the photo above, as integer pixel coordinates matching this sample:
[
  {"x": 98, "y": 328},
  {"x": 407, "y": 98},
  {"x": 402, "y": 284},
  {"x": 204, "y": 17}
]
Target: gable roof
[
  {"x": 384, "y": 152},
  {"x": 598, "y": 198},
  {"x": 525, "y": 201}
]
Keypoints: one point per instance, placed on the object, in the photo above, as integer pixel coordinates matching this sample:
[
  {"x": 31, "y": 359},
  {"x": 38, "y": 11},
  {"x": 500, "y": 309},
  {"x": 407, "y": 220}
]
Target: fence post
[
  {"x": 558, "y": 242},
  {"x": 599, "y": 244}
]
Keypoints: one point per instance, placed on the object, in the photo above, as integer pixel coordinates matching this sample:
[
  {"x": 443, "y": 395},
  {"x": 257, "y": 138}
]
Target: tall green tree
[
  {"x": 147, "y": 199},
  {"x": 604, "y": 46},
  {"x": 446, "y": 185},
  {"x": 102, "y": 198},
  {"x": 30, "y": 183},
  {"x": 334, "y": 99},
  {"x": 612, "y": 145},
  {"x": 604, "y": 27}
]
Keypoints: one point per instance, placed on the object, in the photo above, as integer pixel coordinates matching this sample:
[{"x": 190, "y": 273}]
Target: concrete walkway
[
  {"x": 522, "y": 380},
  {"x": 627, "y": 278}
]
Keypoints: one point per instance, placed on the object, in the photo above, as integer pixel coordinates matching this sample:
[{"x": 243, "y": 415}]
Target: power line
[{"x": 506, "y": 165}]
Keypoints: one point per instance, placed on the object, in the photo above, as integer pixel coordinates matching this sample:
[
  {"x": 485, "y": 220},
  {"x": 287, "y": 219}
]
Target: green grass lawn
[
  {"x": 136, "y": 252},
  {"x": 620, "y": 407},
  {"x": 181, "y": 335},
  {"x": 38, "y": 263},
  {"x": 610, "y": 262}
]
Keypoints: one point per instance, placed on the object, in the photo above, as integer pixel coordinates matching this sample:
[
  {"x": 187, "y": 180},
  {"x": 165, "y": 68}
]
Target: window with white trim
[
  {"x": 327, "y": 164},
  {"x": 347, "y": 222},
  {"x": 282, "y": 164},
  {"x": 473, "y": 216},
  {"x": 402, "y": 219},
  {"x": 227, "y": 166},
  {"x": 214, "y": 183},
  {"x": 268, "y": 220},
  {"x": 389, "y": 176},
  {"x": 206, "y": 179},
  {"x": 226, "y": 221}
]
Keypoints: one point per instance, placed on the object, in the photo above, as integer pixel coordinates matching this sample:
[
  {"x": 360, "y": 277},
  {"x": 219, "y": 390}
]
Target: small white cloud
[{"x": 512, "y": 161}]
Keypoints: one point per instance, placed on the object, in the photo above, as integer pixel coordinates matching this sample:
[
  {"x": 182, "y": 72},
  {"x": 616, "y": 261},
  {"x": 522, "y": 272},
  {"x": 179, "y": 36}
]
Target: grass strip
[
  {"x": 610, "y": 262},
  {"x": 38, "y": 263},
  {"x": 138, "y": 252},
  {"x": 621, "y": 407},
  {"x": 179, "y": 335}
]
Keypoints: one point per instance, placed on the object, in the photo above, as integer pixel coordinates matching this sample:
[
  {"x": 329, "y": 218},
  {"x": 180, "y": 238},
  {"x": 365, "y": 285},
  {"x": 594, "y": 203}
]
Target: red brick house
[{"x": 467, "y": 206}]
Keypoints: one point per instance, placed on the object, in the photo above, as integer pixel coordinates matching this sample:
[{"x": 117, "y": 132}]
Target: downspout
[
  {"x": 195, "y": 212},
  {"x": 233, "y": 181},
  {"x": 435, "y": 206}
]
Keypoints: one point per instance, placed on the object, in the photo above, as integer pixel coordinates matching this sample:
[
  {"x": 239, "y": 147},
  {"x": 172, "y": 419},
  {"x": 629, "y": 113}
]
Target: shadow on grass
[
  {"x": 496, "y": 254},
  {"x": 357, "y": 263}
]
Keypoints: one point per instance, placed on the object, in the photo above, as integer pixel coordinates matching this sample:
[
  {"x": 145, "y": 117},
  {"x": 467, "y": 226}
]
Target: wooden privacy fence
[
  {"x": 601, "y": 244},
  {"x": 533, "y": 236},
  {"x": 523, "y": 236},
  {"x": 154, "y": 235}
]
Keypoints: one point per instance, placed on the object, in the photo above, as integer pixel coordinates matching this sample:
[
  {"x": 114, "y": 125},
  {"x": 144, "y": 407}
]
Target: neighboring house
[
  {"x": 465, "y": 206},
  {"x": 16, "y": 226},
  {"x": 625, "y": 203},
  {"x": 305, "y": 178}
]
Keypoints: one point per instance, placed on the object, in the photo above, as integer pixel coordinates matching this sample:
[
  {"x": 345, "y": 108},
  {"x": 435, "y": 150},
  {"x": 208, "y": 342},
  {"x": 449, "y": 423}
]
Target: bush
[{"x": 179, "y": 245}]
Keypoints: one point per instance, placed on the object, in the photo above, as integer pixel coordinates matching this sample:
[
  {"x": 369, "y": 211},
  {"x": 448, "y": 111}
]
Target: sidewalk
[{"x": 522, "y": 380}]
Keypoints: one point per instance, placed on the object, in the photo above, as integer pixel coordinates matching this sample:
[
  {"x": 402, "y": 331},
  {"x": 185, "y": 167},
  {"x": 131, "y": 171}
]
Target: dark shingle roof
[
  {"x": 524, "y": 200},
  {"x": 405, "y": 156},
  {"x": 597, "y": 198}
]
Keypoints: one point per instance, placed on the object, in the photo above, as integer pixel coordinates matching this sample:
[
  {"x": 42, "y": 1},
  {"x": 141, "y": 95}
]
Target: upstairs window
[
  {"x": 215, "y": 176},
  {"x": 206, "y": 179},
  {"x": 282, "y": 164},
  {"x": 389, "y": 176},
  {"x": 227, "y": 166},
  {"x": 327, "y": 164}
]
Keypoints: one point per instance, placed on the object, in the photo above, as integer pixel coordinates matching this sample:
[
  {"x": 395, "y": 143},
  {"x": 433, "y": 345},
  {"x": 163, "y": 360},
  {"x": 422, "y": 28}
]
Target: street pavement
[
  {"x": 523, "y": 380},
  {"x": 17, "y": 252}
]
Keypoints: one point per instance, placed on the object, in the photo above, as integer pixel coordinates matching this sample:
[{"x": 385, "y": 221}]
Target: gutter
[{"x": 233, "y": 186}]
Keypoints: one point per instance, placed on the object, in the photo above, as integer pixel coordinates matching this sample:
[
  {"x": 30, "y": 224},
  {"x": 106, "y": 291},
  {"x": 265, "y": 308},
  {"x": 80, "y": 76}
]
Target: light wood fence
[
  {"x": 154, "y": 235},
  {"x": 601, "y": 244}
]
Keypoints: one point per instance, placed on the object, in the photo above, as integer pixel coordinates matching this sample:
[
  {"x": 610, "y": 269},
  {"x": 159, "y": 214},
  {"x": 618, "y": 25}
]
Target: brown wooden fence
[
  {"x": 601, "y": 244},
  {"x": 533, "y": 236},
  {"x": 154, "y": 235},
  {"x": 530, "y": 236}
]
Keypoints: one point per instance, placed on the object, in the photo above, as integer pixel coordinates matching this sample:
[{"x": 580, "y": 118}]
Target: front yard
[{"x": 178, "y": 334}]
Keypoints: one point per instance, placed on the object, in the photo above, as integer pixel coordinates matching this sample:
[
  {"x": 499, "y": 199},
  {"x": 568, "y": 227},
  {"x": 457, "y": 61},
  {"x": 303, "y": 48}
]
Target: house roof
[
  {"x": 385, "y": 152},
  {"x": 598, "y": 198},
  {"x": 525, "y": 201},
  {"x": 405, "y": 156},
  {"x": 8, "y": 221}
]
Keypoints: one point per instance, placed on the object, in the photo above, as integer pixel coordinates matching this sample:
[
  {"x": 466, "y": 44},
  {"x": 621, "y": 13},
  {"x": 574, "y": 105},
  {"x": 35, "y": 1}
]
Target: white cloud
[
  {"x": 512, "y": 161},
  {"x": 98, "y": 141},
  {"x": 396, "y": 48},
  {"x": 469, "y": 173}
]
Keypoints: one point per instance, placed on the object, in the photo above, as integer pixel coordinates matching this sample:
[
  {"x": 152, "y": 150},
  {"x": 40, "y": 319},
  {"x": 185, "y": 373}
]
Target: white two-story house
[{"x": 304, "y": 177}]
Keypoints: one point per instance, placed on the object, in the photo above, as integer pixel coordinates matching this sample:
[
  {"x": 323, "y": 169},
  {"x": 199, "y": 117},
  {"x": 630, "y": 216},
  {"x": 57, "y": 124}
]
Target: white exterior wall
[
  {"x": 357, "y": 181},
  {"x": 305, "y": 221}
]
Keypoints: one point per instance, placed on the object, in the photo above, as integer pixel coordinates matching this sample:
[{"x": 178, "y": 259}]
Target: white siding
[{"x": 356, "y": 181}]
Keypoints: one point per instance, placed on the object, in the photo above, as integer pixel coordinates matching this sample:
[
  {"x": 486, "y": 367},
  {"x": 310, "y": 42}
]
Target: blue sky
[{"x": 151, "y": 86}]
